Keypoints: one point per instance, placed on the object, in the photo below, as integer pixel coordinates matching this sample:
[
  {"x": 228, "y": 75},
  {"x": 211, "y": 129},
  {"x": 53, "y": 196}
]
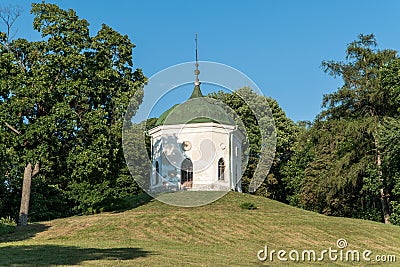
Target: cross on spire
[{"x": 197, "y": 72}]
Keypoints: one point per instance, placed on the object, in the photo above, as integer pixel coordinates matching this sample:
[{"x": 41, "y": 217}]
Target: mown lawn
[{"x": 218, "y": 234}]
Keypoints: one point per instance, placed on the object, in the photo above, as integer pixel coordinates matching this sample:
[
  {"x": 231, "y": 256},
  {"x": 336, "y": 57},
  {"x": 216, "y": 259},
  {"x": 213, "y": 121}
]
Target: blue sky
[{"x": 278, "y": 44}]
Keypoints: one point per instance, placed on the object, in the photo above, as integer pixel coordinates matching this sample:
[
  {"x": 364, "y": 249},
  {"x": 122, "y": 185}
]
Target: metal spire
[{"x": 197, "y": 72}]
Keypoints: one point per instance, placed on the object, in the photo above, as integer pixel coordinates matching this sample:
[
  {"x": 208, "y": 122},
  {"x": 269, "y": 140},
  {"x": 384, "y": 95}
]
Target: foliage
[
  {"x": 332, "y": 170},
  {"x": 390, "y": 145},
  {"x": 7, "y": 225},
  {"x": 362, "y": 93},
  {"x": 48, "y": 201},
  {"x": 294, "y": 170},
  {"x": 62, "y": 101},
  {"x": 337, "y": 166},
  {"x": 65, "y": 95},
  {"x": 286, "y": 134}
]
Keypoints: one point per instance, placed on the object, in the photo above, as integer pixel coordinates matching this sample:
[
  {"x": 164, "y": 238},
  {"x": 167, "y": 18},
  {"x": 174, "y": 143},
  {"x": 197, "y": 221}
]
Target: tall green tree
[
  {"x": 333, "y": 171},
  {"x": 62, "y": 103},
  {"x": 362, "y": 95},
  {"x": 344, "y": 175}
]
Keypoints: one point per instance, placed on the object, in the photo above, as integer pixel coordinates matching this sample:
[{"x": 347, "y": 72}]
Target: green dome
[{"x": 197, "y": 109}]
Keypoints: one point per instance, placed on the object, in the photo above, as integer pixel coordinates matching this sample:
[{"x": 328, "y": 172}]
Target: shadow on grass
[
  {"x": 129, "y": 203},
  {"x": 24, "y": 232},
  {"x": 50, "y": 255},
  {"x": 139, "y": 200}
]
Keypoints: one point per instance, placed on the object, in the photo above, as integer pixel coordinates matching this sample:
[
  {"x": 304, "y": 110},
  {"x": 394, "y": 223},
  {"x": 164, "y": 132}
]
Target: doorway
[{"x": 187, "y": 173}]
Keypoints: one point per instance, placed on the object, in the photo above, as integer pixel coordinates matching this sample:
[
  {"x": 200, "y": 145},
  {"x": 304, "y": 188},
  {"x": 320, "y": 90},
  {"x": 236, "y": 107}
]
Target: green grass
[{"x": 218, "y": 234}]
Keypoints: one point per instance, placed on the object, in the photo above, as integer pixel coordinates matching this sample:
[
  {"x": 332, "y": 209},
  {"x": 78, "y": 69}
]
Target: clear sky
[{"x": 279, "y": 44}]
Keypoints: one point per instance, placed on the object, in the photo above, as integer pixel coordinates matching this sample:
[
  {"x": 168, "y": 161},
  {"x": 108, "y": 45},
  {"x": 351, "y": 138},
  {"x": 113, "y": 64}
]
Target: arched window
[
  {"x": 187, "y": 173},
  {"x": 221, "y": 169},
  {"x": 157, "y": 173}
]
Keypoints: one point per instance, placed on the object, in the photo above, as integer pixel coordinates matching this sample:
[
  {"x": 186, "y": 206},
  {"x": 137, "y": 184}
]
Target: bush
[
  {"x": 395, "y": 216},
  {"x": 7, "y": 226},
  {"x": 47, "y": 202},
  {"x": 248, "y": 206}
]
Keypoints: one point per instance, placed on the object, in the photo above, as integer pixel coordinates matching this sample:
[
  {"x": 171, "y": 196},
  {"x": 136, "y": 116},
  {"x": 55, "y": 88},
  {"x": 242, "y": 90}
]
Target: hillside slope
[{"x": 219, "y": 234}]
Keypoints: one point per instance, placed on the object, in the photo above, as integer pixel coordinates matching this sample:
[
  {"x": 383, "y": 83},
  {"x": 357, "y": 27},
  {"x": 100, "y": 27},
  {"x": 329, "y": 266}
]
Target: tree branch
[
  {"x": 36, "y": 169},
  {"x": 12, "y": 128},
  {"x": 8, "y": 16}
]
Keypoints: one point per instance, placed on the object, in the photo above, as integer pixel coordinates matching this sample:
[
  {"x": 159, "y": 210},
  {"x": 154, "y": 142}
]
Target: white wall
[{"x": 210, "y": 142}]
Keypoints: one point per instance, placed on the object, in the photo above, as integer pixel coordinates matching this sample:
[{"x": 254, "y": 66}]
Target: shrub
[
  {"x": 248, "y": 206},
  {"x": 7, "y": 225}
]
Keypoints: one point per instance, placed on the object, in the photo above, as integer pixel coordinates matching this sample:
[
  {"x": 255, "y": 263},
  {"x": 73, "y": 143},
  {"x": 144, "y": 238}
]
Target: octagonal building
[{"x": 196, "y": 145}]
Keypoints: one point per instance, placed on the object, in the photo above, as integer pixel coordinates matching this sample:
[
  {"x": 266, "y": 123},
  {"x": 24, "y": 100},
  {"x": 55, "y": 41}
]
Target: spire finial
[{"x": 197, "y": 72}]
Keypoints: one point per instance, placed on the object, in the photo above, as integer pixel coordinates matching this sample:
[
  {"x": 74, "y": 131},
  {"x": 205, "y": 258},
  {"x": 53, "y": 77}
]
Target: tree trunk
[
  {"x": 383, "y": 195},
  {"x": 385, "y": 206},
  {"x": 26, "y": 193}
]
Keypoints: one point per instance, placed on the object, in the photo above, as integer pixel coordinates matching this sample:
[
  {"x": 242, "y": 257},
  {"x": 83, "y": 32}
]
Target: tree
[
  {"x": 362, "y": 94},
  {"x": 66, "y": 96},
  {"x": 343, "y": 174},
  {"x": 332, "y": 170},
  {"x": 8, "y": 16},
  {"x": 389, "y": 138},
  {"x": 286, "y": 134},
  {"x": 293, "y": 171}
]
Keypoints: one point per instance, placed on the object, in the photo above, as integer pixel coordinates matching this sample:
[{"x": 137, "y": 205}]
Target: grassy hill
[{"x": 219, "y": 234}]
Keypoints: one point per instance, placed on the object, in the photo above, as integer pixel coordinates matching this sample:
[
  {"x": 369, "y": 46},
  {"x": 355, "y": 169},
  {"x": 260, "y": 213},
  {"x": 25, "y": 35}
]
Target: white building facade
[{"x": 196, "y": 146}]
